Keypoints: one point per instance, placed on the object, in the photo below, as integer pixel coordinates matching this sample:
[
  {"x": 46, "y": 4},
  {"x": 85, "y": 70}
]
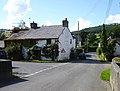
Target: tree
[
  {"x": 115, "y": 32},
  {"x": 83, "y": 35},
  {"x": 104, "y": 42},
  {"x": 92, "y": 38}
]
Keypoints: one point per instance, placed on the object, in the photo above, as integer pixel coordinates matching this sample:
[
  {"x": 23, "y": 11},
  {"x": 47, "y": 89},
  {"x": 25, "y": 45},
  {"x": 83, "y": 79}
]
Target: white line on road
[{"x": 43, "y": 70}]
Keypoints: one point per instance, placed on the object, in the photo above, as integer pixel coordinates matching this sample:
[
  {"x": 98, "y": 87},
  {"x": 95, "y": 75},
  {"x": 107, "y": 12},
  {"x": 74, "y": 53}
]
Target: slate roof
[{"x": 43, "y": 32}]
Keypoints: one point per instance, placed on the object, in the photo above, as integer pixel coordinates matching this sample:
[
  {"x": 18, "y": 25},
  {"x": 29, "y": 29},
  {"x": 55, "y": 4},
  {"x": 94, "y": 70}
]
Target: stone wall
[
  {"x": 5, "y": 69},
  {"x": 115, "y": 76}
]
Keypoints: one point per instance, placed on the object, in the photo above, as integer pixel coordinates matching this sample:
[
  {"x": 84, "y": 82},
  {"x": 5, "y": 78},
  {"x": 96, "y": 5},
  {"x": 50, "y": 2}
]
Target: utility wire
[
  {"x": 108, "y": 10},
  {"x": 93, "y": 8}
]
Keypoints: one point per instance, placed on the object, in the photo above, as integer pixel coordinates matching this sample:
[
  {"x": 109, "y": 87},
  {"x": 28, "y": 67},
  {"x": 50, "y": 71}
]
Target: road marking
[{"x": 43, "y": 70}]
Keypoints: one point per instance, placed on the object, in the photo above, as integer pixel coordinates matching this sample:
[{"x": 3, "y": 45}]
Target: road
[{"x": 73, "y": 76}]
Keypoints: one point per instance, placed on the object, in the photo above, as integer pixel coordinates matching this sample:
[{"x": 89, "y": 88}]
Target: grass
[
  {"x": 116, "y": 59},
  {"x": 45, "y": 61},
  {"x": 39, "y": 61},
  {"x": 105, "y": 75}
]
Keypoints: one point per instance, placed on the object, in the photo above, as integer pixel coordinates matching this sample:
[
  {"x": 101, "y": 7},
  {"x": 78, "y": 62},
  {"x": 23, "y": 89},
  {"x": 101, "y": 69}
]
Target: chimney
[
  {"x": 33, "y": 25},
  {"x": 65, "y": 23}
]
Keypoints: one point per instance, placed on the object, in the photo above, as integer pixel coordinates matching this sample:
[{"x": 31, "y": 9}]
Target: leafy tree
[
  {"x": 104, "y": 41},
  {"x": 2, "y": 36},
  {"x": 111, "y": 46},
  {"x": 83, "y": 35},
  {"x": 91, "y": 38},
  {"x": 115, "y": 32},
  {"x": 107, "y": 46}
]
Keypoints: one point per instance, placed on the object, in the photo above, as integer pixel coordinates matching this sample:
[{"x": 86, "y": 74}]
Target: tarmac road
[{"x": 73, "y": 76}]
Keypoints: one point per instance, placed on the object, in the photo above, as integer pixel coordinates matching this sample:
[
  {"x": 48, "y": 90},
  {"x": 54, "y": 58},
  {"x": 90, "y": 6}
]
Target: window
[
  {"x": 70, "y": 41},
  {"x": 48, "y": 41}
]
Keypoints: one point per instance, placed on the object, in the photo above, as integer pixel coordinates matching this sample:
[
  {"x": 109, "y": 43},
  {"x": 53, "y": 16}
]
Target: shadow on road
[
  {"x": 91, "y": 58},
  {"x": 15, "y": 67},
  {"x": 11, "y": 81},
  {"x": 89, "y": 61}
]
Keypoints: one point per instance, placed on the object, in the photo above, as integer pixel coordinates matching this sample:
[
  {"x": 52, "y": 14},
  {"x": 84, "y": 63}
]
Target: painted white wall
[
  {"x": 64, "y": 44},
  {"x": 117, "y": 50},
  {"x": 41, "y": 43},
  {"x": 25, "y": 52}
]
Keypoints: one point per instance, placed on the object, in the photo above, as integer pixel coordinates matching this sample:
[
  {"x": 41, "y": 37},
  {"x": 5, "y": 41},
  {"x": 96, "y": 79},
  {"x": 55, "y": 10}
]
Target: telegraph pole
[{"x": 78, "y": 35}]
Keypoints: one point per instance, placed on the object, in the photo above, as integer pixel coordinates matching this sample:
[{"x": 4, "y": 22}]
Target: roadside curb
[{"x": 108, "y": 85}]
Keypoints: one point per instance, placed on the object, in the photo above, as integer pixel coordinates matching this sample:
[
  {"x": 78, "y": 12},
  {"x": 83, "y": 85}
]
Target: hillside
[{"x": 97, "y": 29}]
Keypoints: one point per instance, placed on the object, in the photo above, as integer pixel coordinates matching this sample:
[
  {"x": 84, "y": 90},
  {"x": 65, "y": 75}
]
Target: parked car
[
  {"x": 82, "y": 56},
  {"x": 3, "y": 54}
]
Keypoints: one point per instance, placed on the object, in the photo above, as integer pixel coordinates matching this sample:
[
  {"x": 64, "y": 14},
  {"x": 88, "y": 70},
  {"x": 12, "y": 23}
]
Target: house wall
[
  {"x": 65, "y": 45},
  {"x": 41, "y": 43},
  {"x": 117, "y": 50}
]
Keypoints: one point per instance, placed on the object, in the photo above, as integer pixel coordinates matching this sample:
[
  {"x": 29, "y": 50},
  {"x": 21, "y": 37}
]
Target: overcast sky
[{"x": 89, "y": 13}]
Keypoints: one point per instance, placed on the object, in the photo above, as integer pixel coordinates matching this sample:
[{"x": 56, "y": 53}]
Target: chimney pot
[
  {"x": 33, "y": 25},
  {"x": 65, "y": 23}
]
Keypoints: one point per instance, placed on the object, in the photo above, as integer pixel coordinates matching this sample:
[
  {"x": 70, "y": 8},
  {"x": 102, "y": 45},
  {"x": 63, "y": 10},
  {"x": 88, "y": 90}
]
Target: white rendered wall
[
  {"x": 64, "y": 44},
  {"x": 117, "y": 50}
]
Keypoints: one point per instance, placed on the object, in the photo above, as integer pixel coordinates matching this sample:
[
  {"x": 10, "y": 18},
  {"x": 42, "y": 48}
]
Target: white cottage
[
  {"x": 117, "y": 48},
  {"x": 49, "y": 34}
]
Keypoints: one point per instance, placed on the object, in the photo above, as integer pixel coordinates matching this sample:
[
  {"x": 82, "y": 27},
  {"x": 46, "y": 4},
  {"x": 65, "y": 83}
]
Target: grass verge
[
  {"x": 105, "y": 75},
  {"x": 45, "y": 61},
  {"x": 116, "y": 59}
]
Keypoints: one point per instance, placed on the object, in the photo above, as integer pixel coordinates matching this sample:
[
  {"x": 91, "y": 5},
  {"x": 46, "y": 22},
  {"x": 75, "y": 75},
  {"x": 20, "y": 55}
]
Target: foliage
[
  {"x": 92, "y": 48},
  {"x": 116, "y": 59},
  {"x": 97, "y": 29},
  {"x": 2, "y": 36},
  {"x": 111, "y": 46},
  {"x": 91, "y": 38},
  {"x": 23, "y": 42},
  {"x": 51, "y": 51},
  {"x": 34, "y": 52},
  {"x": 103, "y": 41},
  {"x": 14, "y": 51},
  {"x": 83, "y": 35},
  {"x": 105, "y": 75},
  {"x": 17, "y": 29},
  {"x": 98, "y": 51},
  {"x": 115, "y": 32},
  {"x": 74, "y": 55},
  {"x": 78, "y": 50}
]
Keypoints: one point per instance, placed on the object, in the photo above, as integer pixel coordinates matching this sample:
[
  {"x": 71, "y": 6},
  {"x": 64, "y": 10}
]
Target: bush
[
  {"x": 51, "y": 50},
  {"x": 72, "y": 55},
  {"x": 14, "y": 51},
  {"x": 105, "y": 75},
  {"x": 92, "y": 48},
  {"x": 79, "y": 50},
  {"x": 98, "y": 51},
  {"x": 116, "y": 59}
]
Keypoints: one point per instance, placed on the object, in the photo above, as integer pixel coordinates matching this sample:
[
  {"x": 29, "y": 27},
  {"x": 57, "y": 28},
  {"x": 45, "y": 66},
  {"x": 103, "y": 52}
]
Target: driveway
[{"x": 73, "y": 76}]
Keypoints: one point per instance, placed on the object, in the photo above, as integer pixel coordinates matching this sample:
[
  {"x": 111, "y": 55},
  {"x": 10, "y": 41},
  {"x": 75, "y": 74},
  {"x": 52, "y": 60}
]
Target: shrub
[
  {"x": 98, "y": 51},
  {"x": 92, "y": 48},
  {"x": 105, "y": 75},
  {"x": 116, "y": 59},
  {"x": 79, "y": 50},
  {"x": 51, "y": 51},
  {"x": 14, "y": 51}
]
